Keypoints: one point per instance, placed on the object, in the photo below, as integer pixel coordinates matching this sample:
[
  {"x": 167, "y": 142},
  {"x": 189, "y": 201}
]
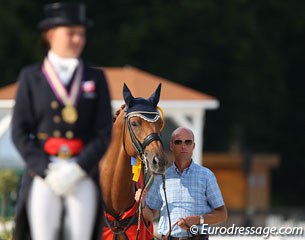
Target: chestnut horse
[{"x": 135, "y": 133}]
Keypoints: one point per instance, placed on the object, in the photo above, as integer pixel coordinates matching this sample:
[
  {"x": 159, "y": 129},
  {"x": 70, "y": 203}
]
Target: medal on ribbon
[{"x": 69, "y": 112}]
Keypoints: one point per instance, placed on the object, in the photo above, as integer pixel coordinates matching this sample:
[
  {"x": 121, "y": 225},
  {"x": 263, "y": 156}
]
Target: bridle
[{"x": 138, "y": 146}]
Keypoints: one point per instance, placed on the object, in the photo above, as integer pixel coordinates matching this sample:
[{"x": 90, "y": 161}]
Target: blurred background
[{"x": 249, "y": 55}]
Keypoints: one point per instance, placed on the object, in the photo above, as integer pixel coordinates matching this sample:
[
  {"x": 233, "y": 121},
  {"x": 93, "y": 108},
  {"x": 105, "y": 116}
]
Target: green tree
[
  {"x": 19, "y": 42},
  {"x": 8, "y": 185}
]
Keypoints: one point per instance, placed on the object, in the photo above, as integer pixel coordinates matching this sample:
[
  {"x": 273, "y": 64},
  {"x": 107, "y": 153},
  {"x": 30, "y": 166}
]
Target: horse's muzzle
[{"x": 158, "y": 165}]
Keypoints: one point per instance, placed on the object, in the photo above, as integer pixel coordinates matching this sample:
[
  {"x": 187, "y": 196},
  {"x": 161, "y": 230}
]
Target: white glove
[{"x": 62, "y": 176}]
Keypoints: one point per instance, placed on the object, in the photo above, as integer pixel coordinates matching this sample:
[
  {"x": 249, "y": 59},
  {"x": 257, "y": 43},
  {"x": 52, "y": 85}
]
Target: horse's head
[{"x": 143, "y": 122}]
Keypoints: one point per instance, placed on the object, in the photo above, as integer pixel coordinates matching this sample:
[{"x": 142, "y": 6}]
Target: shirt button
[
  {"x": 56, "y": 119},
  {"x": 56, "y": 133},
  {"x": 69, "y": 134},
  {"x": 54, "y": 104}
]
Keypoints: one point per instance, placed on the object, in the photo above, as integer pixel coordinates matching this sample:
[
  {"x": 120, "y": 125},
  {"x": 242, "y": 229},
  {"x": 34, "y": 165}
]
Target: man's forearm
[
  {"x": 217, "y": 216},
  {"x": 148, "y": 213}
]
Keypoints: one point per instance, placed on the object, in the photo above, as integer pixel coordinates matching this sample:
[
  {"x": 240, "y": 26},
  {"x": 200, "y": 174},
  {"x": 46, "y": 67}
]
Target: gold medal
[{"x": 69, "y": 114}]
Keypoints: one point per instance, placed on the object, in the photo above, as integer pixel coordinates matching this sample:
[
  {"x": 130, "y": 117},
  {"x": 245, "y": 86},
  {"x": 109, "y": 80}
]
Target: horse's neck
[{"x": 116, "y": 174}]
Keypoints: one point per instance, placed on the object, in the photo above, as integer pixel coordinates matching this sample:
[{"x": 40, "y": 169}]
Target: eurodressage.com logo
[{"x": 265, "y": 232}]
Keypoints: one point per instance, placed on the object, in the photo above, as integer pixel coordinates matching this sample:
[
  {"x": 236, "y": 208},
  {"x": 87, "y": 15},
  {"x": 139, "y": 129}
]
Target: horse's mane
[{"x": 117, "y": 113}]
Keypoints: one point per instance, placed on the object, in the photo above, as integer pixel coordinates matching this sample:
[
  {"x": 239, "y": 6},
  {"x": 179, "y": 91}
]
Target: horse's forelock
[{"x": 117, "y": 113}]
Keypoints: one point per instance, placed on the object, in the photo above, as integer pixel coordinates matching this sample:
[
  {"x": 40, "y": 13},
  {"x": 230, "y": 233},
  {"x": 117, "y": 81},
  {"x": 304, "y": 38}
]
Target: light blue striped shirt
[{"x": 194, "y": 191}]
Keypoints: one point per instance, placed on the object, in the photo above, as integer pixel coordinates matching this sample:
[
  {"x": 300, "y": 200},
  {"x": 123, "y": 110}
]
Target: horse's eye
[{"x": 134, "y": 123}]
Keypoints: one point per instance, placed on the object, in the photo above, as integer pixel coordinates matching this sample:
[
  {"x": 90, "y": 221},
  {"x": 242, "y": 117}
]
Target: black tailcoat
[{"x": 37, "y": 116}]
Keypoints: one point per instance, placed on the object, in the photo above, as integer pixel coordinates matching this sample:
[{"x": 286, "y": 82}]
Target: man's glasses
[{"x": 186, "y": 142}]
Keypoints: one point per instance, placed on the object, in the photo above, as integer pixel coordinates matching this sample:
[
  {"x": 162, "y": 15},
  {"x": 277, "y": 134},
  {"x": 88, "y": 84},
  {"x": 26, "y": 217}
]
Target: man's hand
[
  {"x": 187, "y": 222},
  {"x": 143, "y": 197}
]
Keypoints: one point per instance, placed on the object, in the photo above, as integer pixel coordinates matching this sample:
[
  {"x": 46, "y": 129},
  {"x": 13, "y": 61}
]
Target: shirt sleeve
[
  {"x": 102, "y": 127},
  {"x": 153, "y": 198},
  {"x": 214, "y": 195},
  {"x": 24, "y": 127}
]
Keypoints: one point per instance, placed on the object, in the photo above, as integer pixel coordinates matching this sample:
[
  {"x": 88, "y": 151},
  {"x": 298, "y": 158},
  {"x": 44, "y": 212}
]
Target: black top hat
[{"x": 64, "y": 14}]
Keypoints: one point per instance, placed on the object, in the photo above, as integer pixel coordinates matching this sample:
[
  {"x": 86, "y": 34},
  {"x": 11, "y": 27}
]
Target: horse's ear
[
  {"x": 128, "y": 98},
  {"x": 154, "y": 98}
]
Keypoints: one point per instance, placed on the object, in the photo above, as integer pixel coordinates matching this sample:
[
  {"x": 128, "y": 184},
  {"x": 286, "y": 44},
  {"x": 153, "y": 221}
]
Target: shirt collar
[
  {"x": 64, "y": 67},
  {"x": 186, "y": 170}
]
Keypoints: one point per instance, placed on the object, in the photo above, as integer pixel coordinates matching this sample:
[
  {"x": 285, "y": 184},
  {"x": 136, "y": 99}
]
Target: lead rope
[
  {"x": 166, "y": 202},
  {"x": 167, "y": 209}
]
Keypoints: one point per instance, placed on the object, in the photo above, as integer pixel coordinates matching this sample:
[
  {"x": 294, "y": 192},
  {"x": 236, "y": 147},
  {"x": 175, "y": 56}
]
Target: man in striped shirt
[{"x": 193, "y": 195}]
